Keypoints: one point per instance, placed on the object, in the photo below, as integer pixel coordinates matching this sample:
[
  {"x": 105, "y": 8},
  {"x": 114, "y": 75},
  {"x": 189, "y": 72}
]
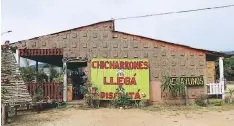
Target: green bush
[
  {"x": 201, "y": 100},
  {"x": 121, "y": 101},
  {"x": 216, "y": 102}
]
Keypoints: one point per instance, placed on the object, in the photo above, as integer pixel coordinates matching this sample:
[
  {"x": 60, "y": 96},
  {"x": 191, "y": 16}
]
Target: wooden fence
[
  {"x": 53, "y": 90},
  {"x": 216, "y": 89}
]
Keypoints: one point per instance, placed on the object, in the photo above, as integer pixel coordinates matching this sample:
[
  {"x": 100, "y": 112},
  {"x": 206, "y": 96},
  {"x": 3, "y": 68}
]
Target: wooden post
[
  {"x": 16, "y": 107},
  {"x": 4, "y": 118},
  {"x": 186, "y": 94}
]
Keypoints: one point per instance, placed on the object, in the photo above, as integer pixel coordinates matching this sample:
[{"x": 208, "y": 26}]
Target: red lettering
[
  {"x": 126, "y": 65},
  {"x": 102, "y": 95},
  {"x": 133, "y": 81},
  {"x": 135, "y": 65},
  {"x": 116, "y": 65},
  {"x": 130, "y": 65},
  {"x": 112, "y": 65},
  {"x": 122, "y": 65},
  {"x": 137, "y": 96},
  {"x": 146, "y": 65},
  {"x": 106, "y": 62},
  {"x": 107, "y": 97},
  {"x": 93, "y": 66},
  {"x": 127, "y": 80},
  {"x": 102, "y": 64},
  {"x": 115, "y": 94},
  {"x": 112, "y": 81},
  {"x": 141, "y": 65},
  {"x": 120, "y": 80},
  {"x": 110, "y": 95},
  {"x": 104, "y": 81}
]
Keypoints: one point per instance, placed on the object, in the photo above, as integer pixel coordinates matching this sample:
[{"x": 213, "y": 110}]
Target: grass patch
[{"x": 225, "y": 107}]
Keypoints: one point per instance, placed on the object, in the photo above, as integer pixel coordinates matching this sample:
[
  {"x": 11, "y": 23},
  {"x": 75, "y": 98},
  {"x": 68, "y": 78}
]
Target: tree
[
  {"x": 228, "y": 68},
  {"x": 29, "y": 73},
  {"x": 54, "y": 74}
]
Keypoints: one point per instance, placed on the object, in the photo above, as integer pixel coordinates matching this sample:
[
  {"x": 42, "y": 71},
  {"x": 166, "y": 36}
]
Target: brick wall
[{"x": 100, "y": 41}]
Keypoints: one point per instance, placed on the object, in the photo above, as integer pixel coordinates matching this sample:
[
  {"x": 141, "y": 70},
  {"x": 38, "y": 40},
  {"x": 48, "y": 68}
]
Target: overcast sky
[{"x": 212, "y": 29}]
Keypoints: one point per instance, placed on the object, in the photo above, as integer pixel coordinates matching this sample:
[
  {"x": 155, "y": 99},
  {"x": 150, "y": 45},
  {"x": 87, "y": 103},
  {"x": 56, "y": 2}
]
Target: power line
[{"x": 167, "y": 13}]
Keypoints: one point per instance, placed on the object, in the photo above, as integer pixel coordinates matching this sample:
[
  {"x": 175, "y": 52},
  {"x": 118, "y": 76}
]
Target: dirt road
[{"x": 130, "y": 117}]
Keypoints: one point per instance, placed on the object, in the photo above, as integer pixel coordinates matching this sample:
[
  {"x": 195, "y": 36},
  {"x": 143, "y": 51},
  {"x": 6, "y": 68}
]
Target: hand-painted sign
[
  {"x": 189, "y": 81},
  {"x": 113, "y": 77}
]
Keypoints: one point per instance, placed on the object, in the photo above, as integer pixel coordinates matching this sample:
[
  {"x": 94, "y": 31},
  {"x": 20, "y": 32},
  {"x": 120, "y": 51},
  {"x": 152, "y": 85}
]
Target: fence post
[
  {"x": 223, "y": 91},
  {"x": 4, "y": 110}
]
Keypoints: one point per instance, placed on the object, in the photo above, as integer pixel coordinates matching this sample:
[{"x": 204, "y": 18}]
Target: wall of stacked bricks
[
  {"x": 101, "y": 41},
  {"x": 12, "y": 81}
]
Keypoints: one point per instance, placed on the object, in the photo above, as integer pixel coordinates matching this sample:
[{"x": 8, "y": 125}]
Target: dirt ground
[{"x": 153, "y": 116}]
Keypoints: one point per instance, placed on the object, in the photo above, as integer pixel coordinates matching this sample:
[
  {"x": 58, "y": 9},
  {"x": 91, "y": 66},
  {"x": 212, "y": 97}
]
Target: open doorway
[{"x": 78, "y": 78}]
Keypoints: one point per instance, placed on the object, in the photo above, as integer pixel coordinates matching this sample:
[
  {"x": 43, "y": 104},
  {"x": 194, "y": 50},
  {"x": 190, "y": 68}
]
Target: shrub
[
  {"x": 201, "y": 100},
  {"x": 216, "y": 102},
  {"x": 121, "y": 101}
]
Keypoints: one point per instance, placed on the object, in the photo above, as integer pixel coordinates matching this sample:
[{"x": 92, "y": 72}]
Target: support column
[
  {"x": 17, "y": 57},
  {"x": 65, "y": 81},
  {"x": 221, "y": 74},
  {"x": 37, "y": 71}
]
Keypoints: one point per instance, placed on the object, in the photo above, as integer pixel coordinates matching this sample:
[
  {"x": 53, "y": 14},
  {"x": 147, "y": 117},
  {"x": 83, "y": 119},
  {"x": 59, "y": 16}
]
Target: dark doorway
[{"x": 77, "y": 74}]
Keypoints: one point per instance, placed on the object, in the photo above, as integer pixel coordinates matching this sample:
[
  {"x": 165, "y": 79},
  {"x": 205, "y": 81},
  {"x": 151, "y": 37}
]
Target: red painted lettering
[
  {"x": 104, "y": 81},
  {"x": 126, "y": 65},
  {"x": 112, "y": 65},
  {"x": 106, "y": 62},
  {"x": 115, "y": 94},
  {"x": 116, "y": 65},
  {"x": 146, "y": 65},
  {"x": 102, "y": 64},
  {"x": 93, "y": 64},
  {"x": 110, "y": 95},
  {"x": 137, "y": 96},
  {"x": 122, "y": 65},
  {"x": 127, "y": 80},
  {"x": 102, "y": 95},
  {"x": 120, "y": 80}
]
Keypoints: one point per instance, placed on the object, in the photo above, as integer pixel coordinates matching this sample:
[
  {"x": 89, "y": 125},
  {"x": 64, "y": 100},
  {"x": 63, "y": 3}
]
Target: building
[{"x": 100, "y": 40}]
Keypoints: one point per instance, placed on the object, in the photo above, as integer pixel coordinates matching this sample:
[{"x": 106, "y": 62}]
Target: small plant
[
  {"x": 230, "y": 93},
  {"x": 201, "y": 100},
  {"x": 216, "y": 102},
  {"x": 122, "y": 101}
]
